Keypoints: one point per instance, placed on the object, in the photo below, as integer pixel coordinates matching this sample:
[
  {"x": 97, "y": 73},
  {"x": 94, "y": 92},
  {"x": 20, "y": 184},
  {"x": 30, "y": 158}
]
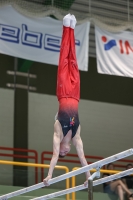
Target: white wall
[
  {"x": 106, "y": 128},
  {"x": 42, "y": 109},
  {"x": 6, "y": 132}
]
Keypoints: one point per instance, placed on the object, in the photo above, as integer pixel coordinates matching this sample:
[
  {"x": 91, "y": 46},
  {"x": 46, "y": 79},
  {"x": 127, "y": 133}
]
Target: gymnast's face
[{"x": 64, "y": 149}]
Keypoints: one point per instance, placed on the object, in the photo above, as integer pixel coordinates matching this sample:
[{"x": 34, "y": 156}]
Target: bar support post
[
  {"x": 90, "y": 189},
  {"x": 90, "y": 183}
]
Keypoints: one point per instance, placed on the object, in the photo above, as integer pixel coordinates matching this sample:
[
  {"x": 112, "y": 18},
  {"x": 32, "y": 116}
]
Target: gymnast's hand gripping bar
[{"x": 95, "y": 165}]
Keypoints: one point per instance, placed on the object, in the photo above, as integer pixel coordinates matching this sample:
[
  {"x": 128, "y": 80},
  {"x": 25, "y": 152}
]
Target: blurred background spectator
[
  {"x": 116, "y": 187},
  {"x": 128, "y": 180}
]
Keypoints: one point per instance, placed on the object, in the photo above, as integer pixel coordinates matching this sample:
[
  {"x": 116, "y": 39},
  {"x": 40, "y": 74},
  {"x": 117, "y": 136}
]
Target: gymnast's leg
[
  {"x": 63, "y": 79},
  {"x": 73, "y": 66}
]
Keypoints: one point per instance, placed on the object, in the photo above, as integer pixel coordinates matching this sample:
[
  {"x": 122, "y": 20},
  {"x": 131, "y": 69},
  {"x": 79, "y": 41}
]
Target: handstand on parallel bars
[{"x": 97, "y": 165}]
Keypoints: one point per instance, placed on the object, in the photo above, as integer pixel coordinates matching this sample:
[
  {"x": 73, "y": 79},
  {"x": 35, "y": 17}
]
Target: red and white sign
[{"x": 114, "y": 52}]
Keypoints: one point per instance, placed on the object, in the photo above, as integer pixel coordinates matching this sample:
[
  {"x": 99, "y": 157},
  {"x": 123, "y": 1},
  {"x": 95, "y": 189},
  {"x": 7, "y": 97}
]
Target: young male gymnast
[{"x": 67, "y": 126}]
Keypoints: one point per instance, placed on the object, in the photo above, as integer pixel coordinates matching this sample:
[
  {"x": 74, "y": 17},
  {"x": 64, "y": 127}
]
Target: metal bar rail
[
  {"x": 92, "y": 170},
  {"x": 97, "y": 165},
  {"x": 22, "y": 191},
  {"x": 82, "y": 187}
]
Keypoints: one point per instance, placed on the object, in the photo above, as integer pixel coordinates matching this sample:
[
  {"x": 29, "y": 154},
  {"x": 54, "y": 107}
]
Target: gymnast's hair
[{"x": 61, "y": 156}]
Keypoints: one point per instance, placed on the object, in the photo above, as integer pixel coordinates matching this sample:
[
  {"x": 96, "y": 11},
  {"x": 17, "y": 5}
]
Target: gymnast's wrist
[{"x": 49, "y": 175}]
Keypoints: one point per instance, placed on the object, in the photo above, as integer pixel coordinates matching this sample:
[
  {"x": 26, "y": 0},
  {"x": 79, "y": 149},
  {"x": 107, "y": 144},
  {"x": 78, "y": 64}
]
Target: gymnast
[{"x": 67, "y": 127}]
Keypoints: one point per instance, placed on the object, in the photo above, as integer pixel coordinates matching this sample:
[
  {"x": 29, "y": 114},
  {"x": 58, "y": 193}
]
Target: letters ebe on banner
[
  {"x": 38, "y": 39},
  {"x": 114, "y": 52}
]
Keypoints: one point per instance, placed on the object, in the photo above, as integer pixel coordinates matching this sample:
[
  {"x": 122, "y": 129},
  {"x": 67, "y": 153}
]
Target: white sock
[
  {"x": 66, "y": 20},
  {"x": 73, "y": 22}
]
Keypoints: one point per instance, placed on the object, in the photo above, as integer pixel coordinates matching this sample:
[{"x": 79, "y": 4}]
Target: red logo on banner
[{"x": 125, "y": 46}]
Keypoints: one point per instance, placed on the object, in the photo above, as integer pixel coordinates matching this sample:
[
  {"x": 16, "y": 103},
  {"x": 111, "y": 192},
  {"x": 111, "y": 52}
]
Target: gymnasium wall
[{"x": 106, "y": 128}]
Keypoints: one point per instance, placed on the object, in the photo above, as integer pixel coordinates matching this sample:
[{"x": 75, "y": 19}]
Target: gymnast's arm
[
  {"x": 56, "y": 148},
  {"x": 79, "y": 148}
]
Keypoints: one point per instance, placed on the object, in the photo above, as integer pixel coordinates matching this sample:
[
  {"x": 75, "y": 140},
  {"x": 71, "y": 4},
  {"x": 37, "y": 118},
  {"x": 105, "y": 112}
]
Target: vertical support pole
[
  {"x": 90, "y": 189},
  {"x": 20, "y": 174}
]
